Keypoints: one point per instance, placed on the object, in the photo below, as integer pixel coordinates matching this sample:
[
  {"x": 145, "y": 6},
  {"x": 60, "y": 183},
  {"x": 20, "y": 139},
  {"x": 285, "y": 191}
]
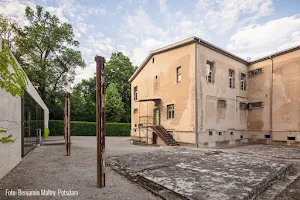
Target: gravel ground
[{"x": 47, "y": 167}]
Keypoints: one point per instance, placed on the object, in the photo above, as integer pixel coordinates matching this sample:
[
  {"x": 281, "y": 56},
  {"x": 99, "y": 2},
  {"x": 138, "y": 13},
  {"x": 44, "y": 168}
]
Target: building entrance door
[{"x": 156, "y": 116}]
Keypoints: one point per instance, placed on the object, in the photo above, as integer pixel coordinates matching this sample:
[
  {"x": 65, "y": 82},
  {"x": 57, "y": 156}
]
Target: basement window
[
  {"x": 135, "y": 93},
  {"x": 170, "y": 111},
  {"x": 254, "y": 105},
  {"x": 243, "y": 81},
  {"x": 291, "y": 138},
  {"x": 221, "y": 103},
  {"x": 210, "y": 69},
  {"x": 231, "y": 78},
  {"x": 255, "y": 72},
  {"x": 243, "y": 106},
  {"x": 178, "y": 74}
]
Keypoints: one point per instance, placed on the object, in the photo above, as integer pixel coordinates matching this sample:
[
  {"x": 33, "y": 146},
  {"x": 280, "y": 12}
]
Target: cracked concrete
[{"x": 197, "y": 174}]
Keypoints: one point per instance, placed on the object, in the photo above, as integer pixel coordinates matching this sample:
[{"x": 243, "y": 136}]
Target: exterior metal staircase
[{"x": 164, "y": 135}]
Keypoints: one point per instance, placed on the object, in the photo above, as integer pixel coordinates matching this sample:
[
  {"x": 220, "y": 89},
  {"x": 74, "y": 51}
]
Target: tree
[
  {"x": 8, "y": 28},
  {"x": 83, "y": 101},
  {"x": 118, "y": 70},
  {"x": 44, "y": 49},
  {"x": 114, "y": 107}
]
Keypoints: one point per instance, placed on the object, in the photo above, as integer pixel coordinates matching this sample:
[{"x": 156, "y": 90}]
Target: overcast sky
[{"x": 248, "y": 28}]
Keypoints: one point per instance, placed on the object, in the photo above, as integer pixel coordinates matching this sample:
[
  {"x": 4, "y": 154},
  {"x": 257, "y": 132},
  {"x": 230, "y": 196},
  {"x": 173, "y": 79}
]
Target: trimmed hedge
[{"x": 88, "y": 128}]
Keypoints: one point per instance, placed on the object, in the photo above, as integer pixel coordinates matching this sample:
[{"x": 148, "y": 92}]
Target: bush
[{"x": 88, "y": 128}]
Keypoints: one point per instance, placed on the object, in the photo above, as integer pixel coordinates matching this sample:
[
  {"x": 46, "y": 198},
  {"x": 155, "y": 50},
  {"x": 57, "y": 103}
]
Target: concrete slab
[
  {"x": 270, "y": 151},
  {"x": 197, "y": 174}
]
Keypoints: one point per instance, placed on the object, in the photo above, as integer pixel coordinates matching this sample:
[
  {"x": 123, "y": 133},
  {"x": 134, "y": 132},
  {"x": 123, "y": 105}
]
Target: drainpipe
[
  {"x": 196, "y": 95},
  {"x": 271, "y": 101}
]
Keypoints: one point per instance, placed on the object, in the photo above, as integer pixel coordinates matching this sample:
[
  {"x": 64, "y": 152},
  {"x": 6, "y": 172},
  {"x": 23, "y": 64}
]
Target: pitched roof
[{"x": 194, "y": 39}]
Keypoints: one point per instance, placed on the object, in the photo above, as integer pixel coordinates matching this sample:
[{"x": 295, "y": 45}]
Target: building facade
[
  {"x": 22, "y": 118},
  {"x": 205, "y": 96}
]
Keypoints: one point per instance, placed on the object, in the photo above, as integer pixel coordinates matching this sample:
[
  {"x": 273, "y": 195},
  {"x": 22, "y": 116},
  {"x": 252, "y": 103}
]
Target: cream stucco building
[{"x": 194, "y": 93}]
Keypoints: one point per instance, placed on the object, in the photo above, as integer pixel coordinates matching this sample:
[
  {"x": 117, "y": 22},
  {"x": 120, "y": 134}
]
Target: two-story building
[{"x": 195, "y": 93}]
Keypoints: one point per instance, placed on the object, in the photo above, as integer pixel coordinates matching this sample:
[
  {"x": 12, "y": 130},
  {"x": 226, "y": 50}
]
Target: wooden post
[
  {"x": 67, "y": 124},
  {"x": 100, "y": 118}
]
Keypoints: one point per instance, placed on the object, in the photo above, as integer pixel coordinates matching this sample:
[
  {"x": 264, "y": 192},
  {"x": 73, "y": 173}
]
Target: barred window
[
  {"x": 243, "y": 81},
  {"x": 210, "y": 72},
  {"x": 178, "y": 73},
  {"x": 221, "y": 103},
  {"x": 135, "y": 93},
  {"x": 231, "y": 77},
  {"x": 255, "y": 72},
  {"x": 243, "y": 106},
  {"x": 253, "y": 105}
]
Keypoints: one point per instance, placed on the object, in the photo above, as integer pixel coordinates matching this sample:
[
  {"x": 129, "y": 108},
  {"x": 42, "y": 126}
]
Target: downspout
[
  {"x": 271, "y": 101},
  {"x": 196, "y": 95}
]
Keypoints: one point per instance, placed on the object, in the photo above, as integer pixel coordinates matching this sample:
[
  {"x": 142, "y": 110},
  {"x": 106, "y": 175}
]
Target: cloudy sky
[{"x": 248, "y": 28}]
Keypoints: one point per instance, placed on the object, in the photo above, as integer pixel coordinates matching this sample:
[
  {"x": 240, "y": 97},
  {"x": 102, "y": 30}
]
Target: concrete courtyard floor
[
  {"x": 172, "y": 173},
  {"x": 206, "y": 174}
]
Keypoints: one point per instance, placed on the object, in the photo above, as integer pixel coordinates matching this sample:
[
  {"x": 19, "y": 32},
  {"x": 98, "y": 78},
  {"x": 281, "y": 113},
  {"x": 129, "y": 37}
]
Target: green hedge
[{"x": 88, "y": 128}]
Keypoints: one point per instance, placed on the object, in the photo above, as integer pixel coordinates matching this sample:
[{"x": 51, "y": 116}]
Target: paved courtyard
[
  {"x": 171, "y": 173},
  {"x": 47, "y": 167}
]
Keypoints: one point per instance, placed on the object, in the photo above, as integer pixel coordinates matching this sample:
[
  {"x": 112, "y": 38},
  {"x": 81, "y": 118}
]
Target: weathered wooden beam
[
  {"x": 100, "y": 119},
  {"x": 67, "y": 124}
]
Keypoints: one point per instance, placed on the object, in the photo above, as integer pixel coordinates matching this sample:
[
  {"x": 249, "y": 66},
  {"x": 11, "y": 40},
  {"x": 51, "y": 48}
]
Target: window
[
  {"x": 178, "y": 72},
  {"x": 153, "y": 60},
  {"x": 209, "y": 72},
  {"x": 135, "y": 93},
  {"x": 221, "y": 103},
  {"x": 255, "y": 72},
  {"x": 170, "y": 111},
  {"x": 231, "y": 75},
  {"x": 220, "y": 133},
  {"x": 253, "y": 105},
  {"x": 135, "y": 111},
  {"x": 243, "y": 106},
  {"x": 210, "y": 133},
  {"x": 243, "y": 81}
]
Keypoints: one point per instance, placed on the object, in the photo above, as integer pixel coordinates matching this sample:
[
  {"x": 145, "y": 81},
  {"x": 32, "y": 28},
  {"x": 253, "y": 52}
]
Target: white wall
[{"x": 10, "y": 119}]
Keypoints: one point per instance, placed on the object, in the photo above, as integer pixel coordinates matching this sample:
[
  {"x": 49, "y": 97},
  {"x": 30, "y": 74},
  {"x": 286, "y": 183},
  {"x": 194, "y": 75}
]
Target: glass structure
[{"x": 32, "y": 122}]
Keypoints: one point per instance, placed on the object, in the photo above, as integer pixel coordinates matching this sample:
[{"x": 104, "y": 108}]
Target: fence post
[{"x": 100, "y": 118}]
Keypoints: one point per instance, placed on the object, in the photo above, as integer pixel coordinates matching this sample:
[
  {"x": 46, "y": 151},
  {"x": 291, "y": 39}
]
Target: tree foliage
[
  {"x": 8, "y": 28},
  {"x": 114, "y": 107},
  {"x": 44, "y": 49},
  {"x": 83, "y": 101},
  {"x": 118, "y": 70},
  {"x": 12, "y": 77}
]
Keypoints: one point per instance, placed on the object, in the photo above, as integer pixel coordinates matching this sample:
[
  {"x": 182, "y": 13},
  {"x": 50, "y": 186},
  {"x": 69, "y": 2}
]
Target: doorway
[{"x": 156, "y": 120}]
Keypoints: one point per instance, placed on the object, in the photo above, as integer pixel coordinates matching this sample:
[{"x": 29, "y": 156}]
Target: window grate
[
  {"x": 254, "y": 105},
  {"x": 255, "y": 72},
  {"x": 221, "y": 103}
]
